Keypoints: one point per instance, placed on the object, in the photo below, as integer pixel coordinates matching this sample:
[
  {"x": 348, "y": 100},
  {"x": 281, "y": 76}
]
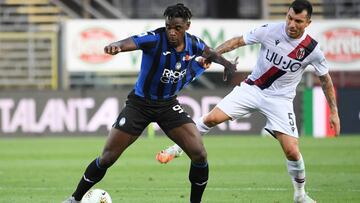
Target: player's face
[
  {"x": 175, "y": 30},
  {"x": 296, "y": 23}
]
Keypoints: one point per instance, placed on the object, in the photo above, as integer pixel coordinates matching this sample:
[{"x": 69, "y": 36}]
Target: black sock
[
  {"x": 93, "y": 174},
  {"x": 198, "y": 177}
]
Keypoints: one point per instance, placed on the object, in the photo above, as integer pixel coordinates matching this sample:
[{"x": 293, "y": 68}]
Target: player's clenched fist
[{"x": 112, "y": 48}]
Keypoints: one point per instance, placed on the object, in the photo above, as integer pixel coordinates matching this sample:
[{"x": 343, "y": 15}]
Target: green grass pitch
[{"x": 242, "y": 169}]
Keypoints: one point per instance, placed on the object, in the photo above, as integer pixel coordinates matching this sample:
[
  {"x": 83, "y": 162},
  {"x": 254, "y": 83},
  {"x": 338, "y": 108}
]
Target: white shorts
[{"x": 246, "y": 99}]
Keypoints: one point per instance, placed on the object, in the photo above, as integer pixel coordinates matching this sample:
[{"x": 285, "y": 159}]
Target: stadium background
[
  {"x": 52, "y": 58},
  {"x": 56, "y": 81}
]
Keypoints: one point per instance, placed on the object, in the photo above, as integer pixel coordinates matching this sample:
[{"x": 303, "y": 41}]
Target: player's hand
[
  {"x": 113, "y": 48},
  {"x": 335, "y": 123},
  {"x": 230, "y": 70},
  {"x": 203, "y": 62}
]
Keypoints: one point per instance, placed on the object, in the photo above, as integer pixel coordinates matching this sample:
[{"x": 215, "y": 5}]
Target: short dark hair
[
  {"x": 299, "y": 5},
  {"x": 178, "y": 11}
]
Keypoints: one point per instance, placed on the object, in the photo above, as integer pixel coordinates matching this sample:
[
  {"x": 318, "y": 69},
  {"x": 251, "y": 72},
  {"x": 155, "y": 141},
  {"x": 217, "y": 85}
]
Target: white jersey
[{"x": 282, "y": 60}]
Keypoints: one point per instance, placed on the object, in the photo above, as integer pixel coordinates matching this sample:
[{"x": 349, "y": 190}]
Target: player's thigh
[
  {"x": 290, "y": 146},
  {"x": 280, "y": 115},
  {"x": 190, "y": 140},
  {"x": 240, "y": 101},
  {"x": 117, "y": 142}
]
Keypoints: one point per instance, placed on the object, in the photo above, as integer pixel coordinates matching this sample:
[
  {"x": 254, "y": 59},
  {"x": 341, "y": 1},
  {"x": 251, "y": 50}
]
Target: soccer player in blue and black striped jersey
[{"x": 168, "y": 65}]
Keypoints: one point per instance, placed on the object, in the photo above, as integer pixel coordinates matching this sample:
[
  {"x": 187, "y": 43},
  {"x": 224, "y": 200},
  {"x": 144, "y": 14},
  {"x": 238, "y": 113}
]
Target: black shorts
[{"x": 138, "y": 113}]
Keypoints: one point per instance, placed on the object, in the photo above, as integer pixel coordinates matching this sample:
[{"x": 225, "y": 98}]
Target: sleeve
[
  {"x": 197, "y": 68},
  {"x": 201, "y": 45},
  {"x": 198, "y": 45},
  {"x": 256, "y": 35},
  {"x": 146, "y": 41},
  {"x": 320, "y": 63}
]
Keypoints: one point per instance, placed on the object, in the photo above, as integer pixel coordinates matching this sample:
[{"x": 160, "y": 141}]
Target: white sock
[
  {"x": 296, "y": 170},
  {"x": 200, "y": 125}
]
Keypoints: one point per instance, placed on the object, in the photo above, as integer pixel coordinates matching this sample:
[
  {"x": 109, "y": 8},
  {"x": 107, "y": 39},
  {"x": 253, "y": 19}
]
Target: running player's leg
[
  {"x": 127, "y": 128},
  {"x": 295, "y": 165},
  {"x": 241, "y": 101},
  {"x": 190, "y": 141},
  {"x": 203, "y": 125},
  {"x": 116, "y": 143},
  {"x": 180, "y": 128},
  {"x": 281, "y": 123}
]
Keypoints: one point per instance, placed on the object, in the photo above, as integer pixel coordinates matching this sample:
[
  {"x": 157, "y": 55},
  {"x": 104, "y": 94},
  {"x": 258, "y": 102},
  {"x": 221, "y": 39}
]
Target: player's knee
[
  {"x": 107, "y": 160},
  {"x": 199, "y": 157},
  {"x": 292, "y": 153}
]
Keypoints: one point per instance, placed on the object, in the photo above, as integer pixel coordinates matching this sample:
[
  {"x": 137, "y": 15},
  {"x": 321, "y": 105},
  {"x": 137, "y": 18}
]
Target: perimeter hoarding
[
  {"x": 85, "y": 39},
  {"x": 92, "y": 112},
  {"x": 349, "y": 110}
]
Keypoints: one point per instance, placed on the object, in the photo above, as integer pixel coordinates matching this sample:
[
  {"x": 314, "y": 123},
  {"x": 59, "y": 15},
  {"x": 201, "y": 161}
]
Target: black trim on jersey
[
  {"x": 174, "y": 85},
  {"x": 193, "y": 45},
  {"x": 309, "y": 48},
  {"x": 153, "y": 69},
  {"x": 147, "y": 45},
  {"x": 308, "y": 45},
  {"x": 195, "y": 51},
  {"x": 271, "y": 79},
  {"x": 267, "y": 78},
  {"x": 189, "y": 63},
  {"x": 161, "y": 86}
]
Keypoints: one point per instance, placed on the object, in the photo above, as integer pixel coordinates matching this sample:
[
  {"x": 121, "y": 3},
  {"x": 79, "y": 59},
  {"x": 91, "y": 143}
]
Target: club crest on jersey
[
  {"x": 122, "y": 121},
  {"x": 178, "y": 65},
  {"x": 300, "y": 53}
]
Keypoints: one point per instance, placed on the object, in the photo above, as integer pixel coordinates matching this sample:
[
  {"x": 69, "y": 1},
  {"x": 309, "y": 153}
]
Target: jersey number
[
  {"x": 291, "y": 122},
  {"x": 178, "y": 108}
]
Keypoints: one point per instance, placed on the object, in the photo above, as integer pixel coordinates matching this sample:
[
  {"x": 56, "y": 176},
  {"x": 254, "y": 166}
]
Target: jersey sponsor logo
[
  {"x": 281, "y": 62},
  {"x": 172, "y": 76}
]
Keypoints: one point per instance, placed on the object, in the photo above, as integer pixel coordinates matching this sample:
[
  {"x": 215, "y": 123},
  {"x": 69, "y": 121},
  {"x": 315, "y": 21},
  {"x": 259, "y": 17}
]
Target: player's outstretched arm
[
  {"x": 213, "y": 56},
  {"x": 124, "y": 45},
  {"x": 230, "y": 45},
  {"x": 328, "y": 89}
]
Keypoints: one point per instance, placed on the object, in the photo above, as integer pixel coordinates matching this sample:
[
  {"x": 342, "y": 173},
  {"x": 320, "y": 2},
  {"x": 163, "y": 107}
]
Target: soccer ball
[{"x": 96, "y": 196}]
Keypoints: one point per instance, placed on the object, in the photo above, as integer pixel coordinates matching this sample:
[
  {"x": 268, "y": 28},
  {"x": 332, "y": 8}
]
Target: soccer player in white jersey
[{"x": 286, "y": 50}]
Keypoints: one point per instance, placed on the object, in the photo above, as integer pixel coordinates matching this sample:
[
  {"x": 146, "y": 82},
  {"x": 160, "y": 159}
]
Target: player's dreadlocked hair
[
  {"x": 299, "y": 5},
  {"x": 178, "y": 11}
]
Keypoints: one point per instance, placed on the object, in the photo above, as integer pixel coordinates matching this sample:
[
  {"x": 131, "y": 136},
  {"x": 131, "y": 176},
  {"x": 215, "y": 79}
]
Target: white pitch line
[{"x": 175, "y": 189}]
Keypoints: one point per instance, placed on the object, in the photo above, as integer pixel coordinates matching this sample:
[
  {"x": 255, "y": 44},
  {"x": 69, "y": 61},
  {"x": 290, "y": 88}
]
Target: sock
[
  {"x": 93, "y": 174},
  {"x": 198, "y": 177},
  {"x": 200, "y": 125},
  {"x": 296, "y": 170}
]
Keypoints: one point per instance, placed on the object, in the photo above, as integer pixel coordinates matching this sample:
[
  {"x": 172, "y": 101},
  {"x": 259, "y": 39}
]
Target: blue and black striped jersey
[{"x": 164, "y": 72}]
